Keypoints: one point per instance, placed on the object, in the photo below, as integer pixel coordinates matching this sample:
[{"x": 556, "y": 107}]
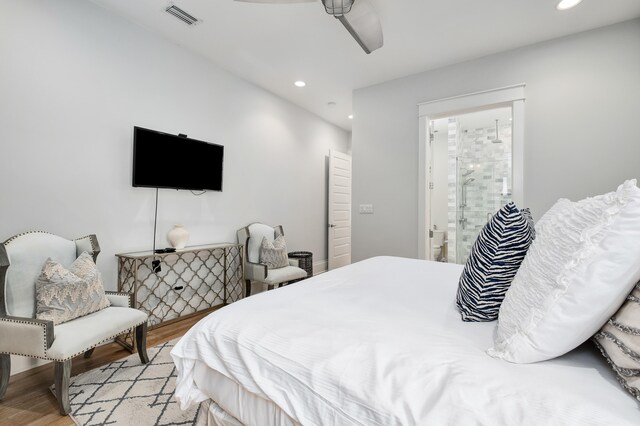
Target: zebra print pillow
[
  {"x": 529, "y": 218},
  {"x": 494, "y": 260}
]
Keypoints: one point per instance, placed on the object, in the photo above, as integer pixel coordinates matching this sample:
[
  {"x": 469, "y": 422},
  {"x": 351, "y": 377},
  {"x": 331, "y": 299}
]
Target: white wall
[
  {"x": 582, "y": 109},
  {"x": 75, "y": 79}
]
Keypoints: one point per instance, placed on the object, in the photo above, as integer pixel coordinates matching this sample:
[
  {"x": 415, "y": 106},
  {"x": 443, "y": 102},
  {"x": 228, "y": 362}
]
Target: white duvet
[{"x": 380, "y": 342}]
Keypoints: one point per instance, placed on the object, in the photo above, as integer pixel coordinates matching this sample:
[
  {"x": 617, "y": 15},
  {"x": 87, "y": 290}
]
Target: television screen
[{"x": 161, "y": 160}]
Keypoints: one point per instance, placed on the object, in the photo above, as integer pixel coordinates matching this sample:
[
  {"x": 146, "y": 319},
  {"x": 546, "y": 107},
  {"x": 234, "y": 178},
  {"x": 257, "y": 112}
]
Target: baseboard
[
  {"x": 22, "y": 363},
  {"x": 320, "y": 267}
]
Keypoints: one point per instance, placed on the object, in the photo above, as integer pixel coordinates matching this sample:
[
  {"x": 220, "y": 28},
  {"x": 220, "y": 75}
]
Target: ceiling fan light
[{"x": 337, "y": 7}]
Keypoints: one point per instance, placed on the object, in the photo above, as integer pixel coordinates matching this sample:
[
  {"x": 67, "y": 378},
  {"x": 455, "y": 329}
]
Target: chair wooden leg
[
  {"x": 141, "y": 342},
  {"x": 5, "y": 372},
  {"x": 63, "y": 374},
  {"x": 247, "y": 288},
  {"x": 88, "y": 353}
]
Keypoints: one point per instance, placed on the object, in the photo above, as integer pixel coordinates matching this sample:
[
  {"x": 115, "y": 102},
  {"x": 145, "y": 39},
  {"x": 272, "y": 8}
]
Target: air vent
[{"x": 185, "y": 17}]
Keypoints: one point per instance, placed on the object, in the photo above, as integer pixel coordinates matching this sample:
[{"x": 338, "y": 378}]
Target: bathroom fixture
[
  {"x": 465, "y": 184},
  {"x": 437, "y": 244},
  {"x": 497, "y": 139}
]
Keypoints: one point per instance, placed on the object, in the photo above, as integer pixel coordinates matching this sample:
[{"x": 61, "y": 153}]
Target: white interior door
[{"x": 339, "y": 235}]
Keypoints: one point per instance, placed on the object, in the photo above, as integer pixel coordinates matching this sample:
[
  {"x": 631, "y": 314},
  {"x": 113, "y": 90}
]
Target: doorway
[
  {"x": 470, "y": 164},
  {"x": 470, "y": 179},
  {"x": 339, "y": 210}
]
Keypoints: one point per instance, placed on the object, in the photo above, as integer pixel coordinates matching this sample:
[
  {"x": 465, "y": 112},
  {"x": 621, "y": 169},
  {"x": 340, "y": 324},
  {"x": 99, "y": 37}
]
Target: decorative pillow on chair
[
  {"x": 583, "y": 263},
  {"x": 619, "y": 342},
  {"x": 274, "y": 255},
  {"x": 494, "y": 260},
  {"x": 62, "y": 295}
]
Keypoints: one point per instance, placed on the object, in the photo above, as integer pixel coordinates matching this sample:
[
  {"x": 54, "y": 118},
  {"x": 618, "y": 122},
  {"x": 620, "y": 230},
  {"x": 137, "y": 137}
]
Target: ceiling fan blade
[
  {"x": 363, "y": 24},
  {"x": 277, "y": 1}
]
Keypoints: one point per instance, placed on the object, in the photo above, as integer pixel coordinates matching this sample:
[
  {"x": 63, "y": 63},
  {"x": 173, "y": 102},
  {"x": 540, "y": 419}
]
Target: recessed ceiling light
[
  {"x": 567, "y": 4},
  {"x": 350, "y": 117},
  {"x": 300, "y": 83}
]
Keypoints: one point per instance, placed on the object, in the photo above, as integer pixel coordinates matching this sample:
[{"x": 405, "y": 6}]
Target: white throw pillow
[
  {"x": 583, "y": 263},
  {"x": 274, "y": 254}
]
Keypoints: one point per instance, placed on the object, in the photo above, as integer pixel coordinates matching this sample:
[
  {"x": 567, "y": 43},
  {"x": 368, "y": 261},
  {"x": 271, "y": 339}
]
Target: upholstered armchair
[
  {"x": 251, "y": 238},
  {"x": 21, "y": 260}
]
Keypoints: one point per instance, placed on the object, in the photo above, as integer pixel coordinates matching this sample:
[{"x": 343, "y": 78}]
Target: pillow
[
  {"x": 619, "y": 342},
  {"x": 62, "y": 295},
  {"x": 583, "y": 263},
  {"x": 494, "y": 260},
  {"x": 274, "y": 255},
  {"x": 529, "y": 217},
  {"x": 85, "y": 268}
]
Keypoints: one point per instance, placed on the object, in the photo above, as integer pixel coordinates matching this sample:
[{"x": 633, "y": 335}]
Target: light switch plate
[{"x": 366, "y": 208}]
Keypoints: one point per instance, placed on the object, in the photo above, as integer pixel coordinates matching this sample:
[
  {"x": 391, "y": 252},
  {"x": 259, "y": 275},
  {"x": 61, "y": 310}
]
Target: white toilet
[{"x": 437, "y": 243}]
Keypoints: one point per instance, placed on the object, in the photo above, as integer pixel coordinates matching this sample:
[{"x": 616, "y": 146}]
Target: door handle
[{"x": 331, "y": 225}]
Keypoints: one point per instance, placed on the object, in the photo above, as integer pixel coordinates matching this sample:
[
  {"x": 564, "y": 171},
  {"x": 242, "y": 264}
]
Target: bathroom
[{"x": 470, "y": 178}]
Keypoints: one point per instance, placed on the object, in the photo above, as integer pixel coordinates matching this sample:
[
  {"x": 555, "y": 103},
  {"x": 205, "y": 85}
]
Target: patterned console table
[{"x": 191, "y": 281}]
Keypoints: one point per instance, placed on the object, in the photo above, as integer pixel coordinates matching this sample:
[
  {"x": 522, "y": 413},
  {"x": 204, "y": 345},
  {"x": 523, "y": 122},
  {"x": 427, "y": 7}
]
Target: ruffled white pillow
[{"x": 583, "y": 263}]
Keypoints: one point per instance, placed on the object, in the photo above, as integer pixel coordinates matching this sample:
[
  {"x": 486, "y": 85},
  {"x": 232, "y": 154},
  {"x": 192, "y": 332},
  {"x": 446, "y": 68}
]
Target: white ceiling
[{"x": 274, "y": 45}]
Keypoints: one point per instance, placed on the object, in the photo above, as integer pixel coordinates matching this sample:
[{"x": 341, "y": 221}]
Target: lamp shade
[{"x": 337, "y": 7}]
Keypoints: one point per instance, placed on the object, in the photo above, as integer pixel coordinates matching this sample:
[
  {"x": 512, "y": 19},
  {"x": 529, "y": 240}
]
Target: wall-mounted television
[{"x": 162, "y": 160}]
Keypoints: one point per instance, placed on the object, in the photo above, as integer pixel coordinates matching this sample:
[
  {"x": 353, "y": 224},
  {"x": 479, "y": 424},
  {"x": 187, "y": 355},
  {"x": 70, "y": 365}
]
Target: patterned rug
[{"x": 126, "y": 392}]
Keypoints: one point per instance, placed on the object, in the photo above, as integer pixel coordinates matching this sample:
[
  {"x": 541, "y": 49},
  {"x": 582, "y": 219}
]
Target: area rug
[{"x": 126, "y": 392}]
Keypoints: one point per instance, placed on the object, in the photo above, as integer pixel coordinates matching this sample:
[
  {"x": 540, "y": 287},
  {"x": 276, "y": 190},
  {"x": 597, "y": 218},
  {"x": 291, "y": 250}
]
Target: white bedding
[{"x": 380, "y": 342}]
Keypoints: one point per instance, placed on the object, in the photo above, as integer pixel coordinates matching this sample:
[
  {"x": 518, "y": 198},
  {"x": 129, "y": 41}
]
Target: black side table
[{"x": 305, "y": 261}]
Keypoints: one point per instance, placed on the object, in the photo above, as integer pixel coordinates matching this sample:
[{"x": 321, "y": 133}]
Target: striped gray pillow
[
  {"x": 619, "y": 342},
  {"x": 274, "y": 255}
]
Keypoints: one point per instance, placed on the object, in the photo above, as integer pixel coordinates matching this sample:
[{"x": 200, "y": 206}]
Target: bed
[{"x": 380, "y": 342}]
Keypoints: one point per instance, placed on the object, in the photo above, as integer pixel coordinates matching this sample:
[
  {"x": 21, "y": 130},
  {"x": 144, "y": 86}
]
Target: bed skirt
[{"x": 210, "y": 414}]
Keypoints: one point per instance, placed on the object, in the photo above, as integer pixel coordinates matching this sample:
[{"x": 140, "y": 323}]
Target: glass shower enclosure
[{"x": 479, "y": 174}]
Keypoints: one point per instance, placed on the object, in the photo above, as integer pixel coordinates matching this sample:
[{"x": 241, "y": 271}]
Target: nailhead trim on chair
[
  {"x": 25, "y": 233},
  {"x": 28, "y": 323},
  {"x": 76, "y": 354},
  {"x": 93, "y": 247},
  {"x": 120, "y": 293}
]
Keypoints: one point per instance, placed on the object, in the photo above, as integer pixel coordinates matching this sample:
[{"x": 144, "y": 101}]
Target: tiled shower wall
[
  {"x": 452, "y": 195},
  {"x": 474, "y": 149}
]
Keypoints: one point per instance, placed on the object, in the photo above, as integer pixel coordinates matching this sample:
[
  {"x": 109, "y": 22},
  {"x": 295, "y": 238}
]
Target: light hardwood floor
[{"x": 28, "y": 400}]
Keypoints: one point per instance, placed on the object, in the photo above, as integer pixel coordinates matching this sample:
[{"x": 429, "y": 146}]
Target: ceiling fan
[{"x": 358, "y": 17}]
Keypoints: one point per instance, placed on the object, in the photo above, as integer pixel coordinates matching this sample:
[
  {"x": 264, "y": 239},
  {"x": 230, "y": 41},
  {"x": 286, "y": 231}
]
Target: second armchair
[{"x": 251, "y": 237}]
